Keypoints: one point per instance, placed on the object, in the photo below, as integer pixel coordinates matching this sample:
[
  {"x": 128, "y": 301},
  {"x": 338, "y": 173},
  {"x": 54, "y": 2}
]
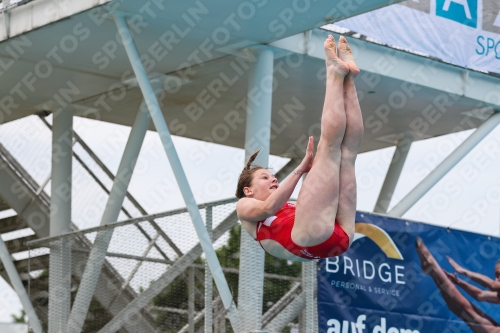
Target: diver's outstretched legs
[
  {"x": 457, "y": 303},
  {"x": 319, "y": 196},
  {"x": 346, "y": 211}
]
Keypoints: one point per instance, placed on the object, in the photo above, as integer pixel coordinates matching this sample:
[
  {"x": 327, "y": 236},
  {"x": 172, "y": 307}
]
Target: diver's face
[
  {"x": 263, "y": 184},
  {"x": 497, "y": 272}
]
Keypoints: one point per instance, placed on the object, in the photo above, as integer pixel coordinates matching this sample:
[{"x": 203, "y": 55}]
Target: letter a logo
[{"x": 461, "y": 11}]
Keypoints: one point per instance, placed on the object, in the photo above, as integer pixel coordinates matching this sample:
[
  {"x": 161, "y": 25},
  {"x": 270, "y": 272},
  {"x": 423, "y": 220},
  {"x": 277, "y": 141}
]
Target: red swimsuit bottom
[{"x": 279, "y": 228}]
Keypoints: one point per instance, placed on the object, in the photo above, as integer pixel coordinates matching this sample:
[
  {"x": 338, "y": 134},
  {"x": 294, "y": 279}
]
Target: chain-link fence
[
  {"x": 168, "y": 259},
  {"x": 160, "y": 251},
  {"x": 28, "y": 141}
]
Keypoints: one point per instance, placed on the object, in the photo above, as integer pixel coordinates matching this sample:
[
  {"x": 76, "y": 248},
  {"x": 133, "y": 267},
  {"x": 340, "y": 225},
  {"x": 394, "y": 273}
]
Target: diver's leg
[
  {"x": 319, "y": 195},
  {"x": 346, "y": 211},
  {"x": 456, "y": 302}
]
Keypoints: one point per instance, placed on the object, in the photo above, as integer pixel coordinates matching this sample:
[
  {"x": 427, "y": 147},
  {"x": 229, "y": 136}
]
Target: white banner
[{"x": 462, "y": 32}]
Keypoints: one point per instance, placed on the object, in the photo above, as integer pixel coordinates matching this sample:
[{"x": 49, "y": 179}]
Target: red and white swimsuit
[{"x": 279, "y": 228}]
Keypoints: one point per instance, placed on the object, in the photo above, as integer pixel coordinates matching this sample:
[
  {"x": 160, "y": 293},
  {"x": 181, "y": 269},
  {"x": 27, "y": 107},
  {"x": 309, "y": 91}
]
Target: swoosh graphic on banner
[{"x": 380, "y": 237}]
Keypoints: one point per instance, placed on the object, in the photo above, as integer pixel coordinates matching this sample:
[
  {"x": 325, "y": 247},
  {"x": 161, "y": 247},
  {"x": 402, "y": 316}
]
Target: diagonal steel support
[
  {"x": 16, "y": 282},
  {"x": 166, "y": 139},
  {"x": 163, "y": 281},
  {"x": 442, "y": 169},
  {"x": 128, "y": 195},
  {"x": 200, "y": 315},
  {"x": 33, "y": 209},
  {"x": 393, "y": 174},
  {"x": 118, "y": 295},
  {"x": 281, "y": 304},
  {"x": 287, "y": 314},
  {"x": 115, "y": 201},
  {"x": 181, "y": 265}
]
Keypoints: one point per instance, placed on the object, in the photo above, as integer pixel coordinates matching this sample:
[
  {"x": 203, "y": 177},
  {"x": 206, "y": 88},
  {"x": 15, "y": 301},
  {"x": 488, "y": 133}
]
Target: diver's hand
[
  {"x": 452, "y": 277},
  {"x": 459, "y": 269},
  {"x": 307, "y": 161}
]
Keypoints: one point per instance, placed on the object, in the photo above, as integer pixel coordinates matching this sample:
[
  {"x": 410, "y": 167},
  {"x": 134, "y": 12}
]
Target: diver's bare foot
[
  {"x": 334, "y": 65},
  {"x": 427, "y": 260},
  {"x": 345, "y": 54}
]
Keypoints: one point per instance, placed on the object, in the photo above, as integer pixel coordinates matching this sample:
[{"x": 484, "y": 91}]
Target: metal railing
[
  {"x": 131, "y": 257},
  {"x": 147, "y": 247}
]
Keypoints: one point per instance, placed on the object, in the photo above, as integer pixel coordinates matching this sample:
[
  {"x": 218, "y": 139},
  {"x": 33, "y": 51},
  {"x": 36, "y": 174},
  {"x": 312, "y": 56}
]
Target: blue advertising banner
[
  {"x": 409, "y": 277},
  {"x": 463, "y": 32}
]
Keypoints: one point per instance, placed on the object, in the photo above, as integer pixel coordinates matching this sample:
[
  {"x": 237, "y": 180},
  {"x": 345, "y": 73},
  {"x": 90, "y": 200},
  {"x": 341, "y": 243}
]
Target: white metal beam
[
  {"x": 34, "y": 211},
  {"x": 308, "y": 279},
  {"x": 16, "y": 282},
  {"x": 444, "y": 167},
  {"x": 163, "y": 281},
  {"x": 34, "y": 14},
  {"x": 191, "y": 311},
  {"x": 62, "y": 153},
  {"x": 109, "y": 294},
  {"x": 208, "y": 322},
  {"x": 287, "y": 315},
  {"x": 406, "y": 67},
  {"x": 115, "y": 201},
  {"x": 180, "y": 265},
  {"x": 60, "y": 220},
  {"x": 393, "y": 173},
  {"x": 257, "y": 136},
  {"x": 28, "y": 206},
  {"x": 166, "y": 139}
]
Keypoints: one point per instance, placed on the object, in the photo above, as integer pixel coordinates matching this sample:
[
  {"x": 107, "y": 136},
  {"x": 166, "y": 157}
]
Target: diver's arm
[{"x": 250, "y": 209}]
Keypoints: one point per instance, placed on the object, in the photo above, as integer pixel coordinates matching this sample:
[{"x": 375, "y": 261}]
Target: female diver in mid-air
[{"x": 321, "y": 224}]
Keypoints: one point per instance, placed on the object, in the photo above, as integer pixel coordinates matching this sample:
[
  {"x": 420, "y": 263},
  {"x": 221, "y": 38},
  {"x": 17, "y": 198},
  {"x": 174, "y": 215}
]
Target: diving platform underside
[{"x": 202, "y": 52}]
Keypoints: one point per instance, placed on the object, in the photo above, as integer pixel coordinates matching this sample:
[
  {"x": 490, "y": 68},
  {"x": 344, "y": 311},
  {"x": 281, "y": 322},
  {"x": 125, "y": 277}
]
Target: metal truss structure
[{"x": 66, "y": 301}]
